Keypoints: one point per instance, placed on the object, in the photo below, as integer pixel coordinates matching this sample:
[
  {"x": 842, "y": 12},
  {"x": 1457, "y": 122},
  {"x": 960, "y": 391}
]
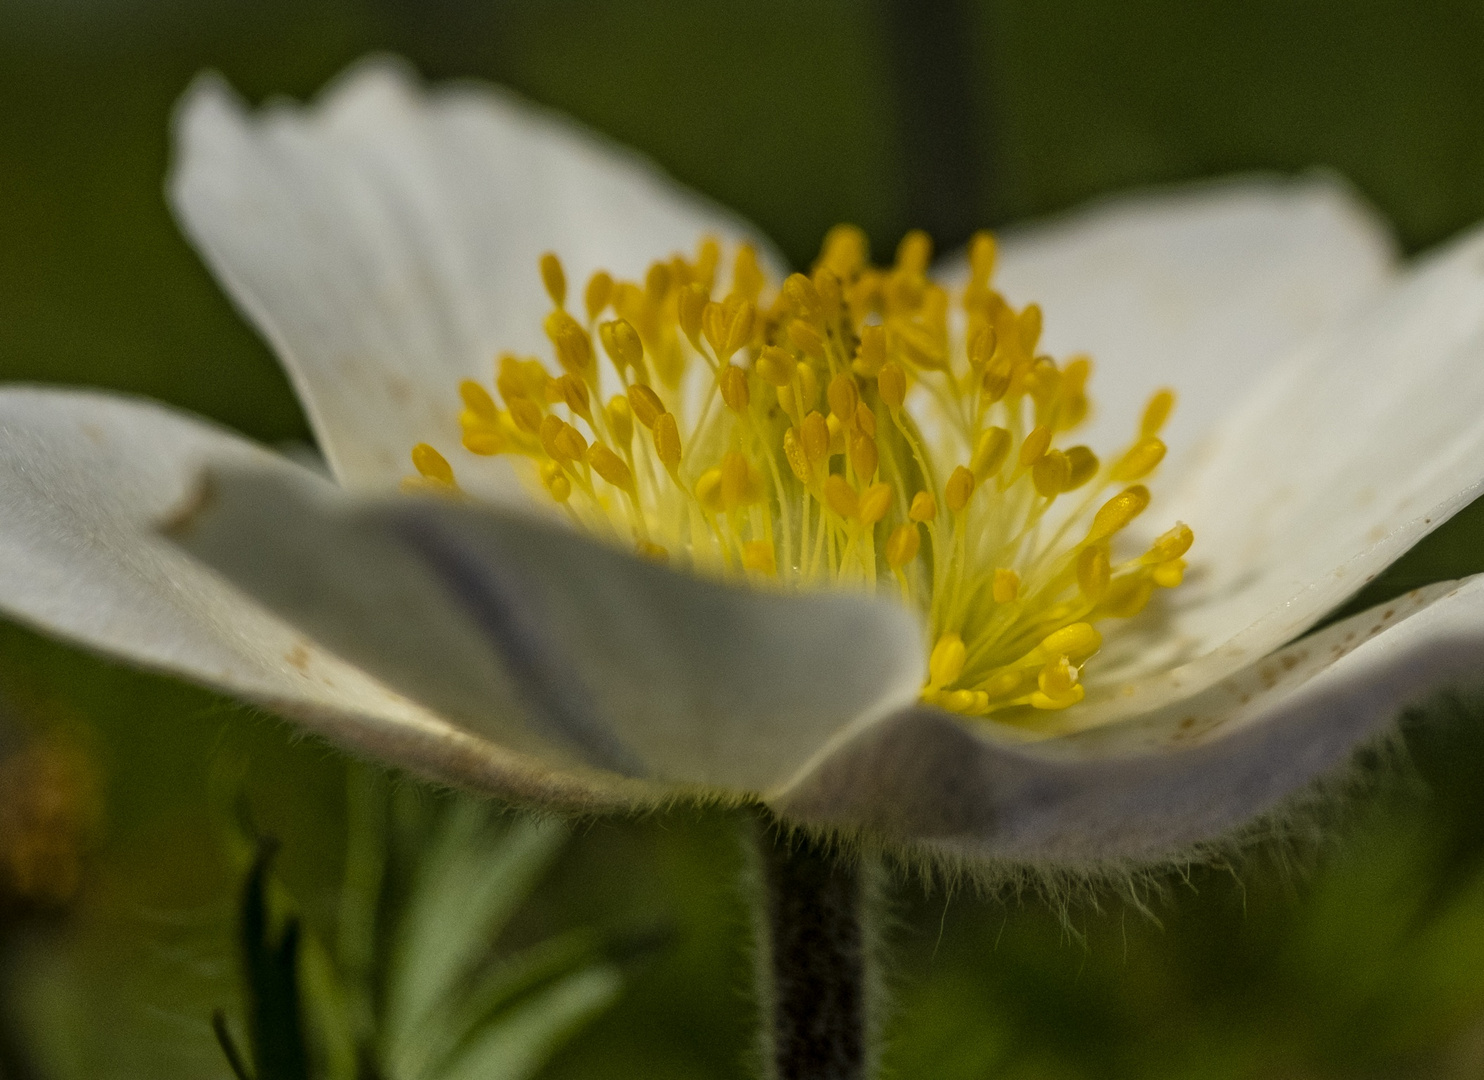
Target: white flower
[{"x": 385, "y": 242}]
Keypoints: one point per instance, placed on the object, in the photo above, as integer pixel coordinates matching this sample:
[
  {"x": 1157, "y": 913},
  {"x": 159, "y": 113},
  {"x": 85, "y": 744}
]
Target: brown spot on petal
[
  {"x": 298, "y": 658},
  {"x": 179, "y": 521}
]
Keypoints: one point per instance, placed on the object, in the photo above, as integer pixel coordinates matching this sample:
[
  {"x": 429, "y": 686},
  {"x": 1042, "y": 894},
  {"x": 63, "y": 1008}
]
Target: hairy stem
[{"x": 814, "y": 958}]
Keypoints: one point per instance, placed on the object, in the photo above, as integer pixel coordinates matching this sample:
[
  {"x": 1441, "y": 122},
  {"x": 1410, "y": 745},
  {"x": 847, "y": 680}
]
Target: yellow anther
[
  {"x": 561, "y": 440},
  {"x": 759, "y": 557},
  {"x": 646, "y": 404},
  {"x": 575, "y": 394},
  {"x": 622, "y": 344},
  {"x": 1029, "y": 326},
  {"x": 1035, "y": 445},
  {"x": 816, "y": 438},
  {"x": 739, "y": 329},
  {"x": 982, "y": 347},
  {"x": 1093, "y": 571},
  {"x": 1157, "y": 412},
  {"x": 959, "y": 489},
  {"x": 1051, "y": 474},
  {"x": 843, "y": 396},
  {"x": 924, "y": 507},
  {"x": 1078, "y": 641},
  {"x": 747, "y": 277},
  {"x": 962, "y": 701},
  {"x": 1084, "y": 465},
  {"x": 1058, "y": 684},
  {"x": 432, "y": 465},
  {"x": 620, "y": 419},
  {"x": 990, "y": 453},
  {"x": 892, "y": 383},
  {"x": 807, "y": 340},
  {"x": 914, "y": 252},
  {"x": 1043, "y": 381},
  {"x": 657, "y": 282},
  {"x": 798, "y": 458},
  {"x": 1126, "y": 597},
  {"x": 597, "y": 294},
  {"x": 572, "y": 444},
  {"x": 808, "y": 386},
  {"x": 837, "y": 434},
  {"x": 902, "y": 545},
  {"x": 1003, "y": 683},
  {"x": 526, "y": 414},
  {"x": 734, "y": 388},
  {"x": 946, "y": 662},
  {"x": 875, "y": 502},
  {"x": 776, "y": 366},
  {"x": 1118, "y": 512},
  {"x": 477, "y": 400},
  {"x": 521, "y": 379},
  {"x": 708, "y": 256},
  {"x": 553, "y": 277},
  {"x": 1171, "y": 544},
  {"x": 556, "y": 481},
  {"x": 1140, "y": 460},
  {"x": 741, "y": 484},
  {"x": 653, "y": 552},
  {"x": 1168, "y": 575},
  {"x": 803, "y": 298},
  {"x": 844, "y": 251},
  {"x": 1006, "y": 586},
  {"x": 870, "y": 354},
  {"x": 667, "y": 441},
  {"x": 708, "y": 490},
  {"x": 840, "y": 497},
  {"x": 574, "y": 349},
  {"x": 864, "y": 456},
  {"x": 690, "y": 309},
  {"x": 485, "y": 440},
  {"x": 865, "y": 420},
  {"x": 918, "y": 344},
  {"x": 981, "y": 256},
  {"x": 996, "y": 380},
  {"x": 610, "y": 466},
  {"x": 831, "y": 295}
]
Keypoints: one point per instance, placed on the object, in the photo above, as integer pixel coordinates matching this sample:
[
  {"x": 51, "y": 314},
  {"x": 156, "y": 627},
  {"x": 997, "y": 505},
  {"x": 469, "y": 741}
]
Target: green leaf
[
  {"x": 502, "y": 984},
  {"x": 271, "y": 969},
  {"x": 466, "y": 888},
  {"x": 526, "y": 1036}
]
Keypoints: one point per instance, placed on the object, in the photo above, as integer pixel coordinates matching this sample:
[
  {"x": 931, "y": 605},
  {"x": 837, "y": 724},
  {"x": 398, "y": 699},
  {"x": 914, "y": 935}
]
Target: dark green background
[{"x": 1361, "y": 957}]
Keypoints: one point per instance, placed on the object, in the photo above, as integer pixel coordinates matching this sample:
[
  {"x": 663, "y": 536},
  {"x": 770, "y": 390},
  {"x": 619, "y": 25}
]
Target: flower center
[{"x": 849, "y": 429}]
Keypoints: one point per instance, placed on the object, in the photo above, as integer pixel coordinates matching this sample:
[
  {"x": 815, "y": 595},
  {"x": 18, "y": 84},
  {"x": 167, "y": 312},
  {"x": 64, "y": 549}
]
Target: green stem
[{"x": 814, "y": 960}]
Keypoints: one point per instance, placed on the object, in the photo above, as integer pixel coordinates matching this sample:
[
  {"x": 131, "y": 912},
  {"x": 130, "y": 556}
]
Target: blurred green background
[{"x": 1360, "y": 956}]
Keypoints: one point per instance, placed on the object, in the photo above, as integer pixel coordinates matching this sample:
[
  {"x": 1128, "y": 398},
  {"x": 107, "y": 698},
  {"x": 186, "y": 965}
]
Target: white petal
[
  {"x": 1157, "y": 786},
  {"x": 1342, "y": 459},
  {"x": 535, "y": 637},
  {"x": 1200, "y": 288},
  {"x": 386, "y": 241},
  {"x": 85, "y": 479}
]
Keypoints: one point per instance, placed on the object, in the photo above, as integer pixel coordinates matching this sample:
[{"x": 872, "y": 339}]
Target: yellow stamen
[
  {"x": 782, "y": 450},
  {"x": 554, "y": 278}
]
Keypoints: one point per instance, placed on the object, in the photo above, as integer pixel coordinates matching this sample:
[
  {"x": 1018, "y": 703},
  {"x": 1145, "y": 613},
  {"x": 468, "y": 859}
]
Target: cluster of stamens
[{"x": 844, "y": 429}]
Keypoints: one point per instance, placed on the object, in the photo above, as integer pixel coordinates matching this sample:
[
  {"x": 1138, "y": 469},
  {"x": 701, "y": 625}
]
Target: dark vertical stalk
[
  {"x": 814, "y": 961},
  {"x": 931, "y": 49}
]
